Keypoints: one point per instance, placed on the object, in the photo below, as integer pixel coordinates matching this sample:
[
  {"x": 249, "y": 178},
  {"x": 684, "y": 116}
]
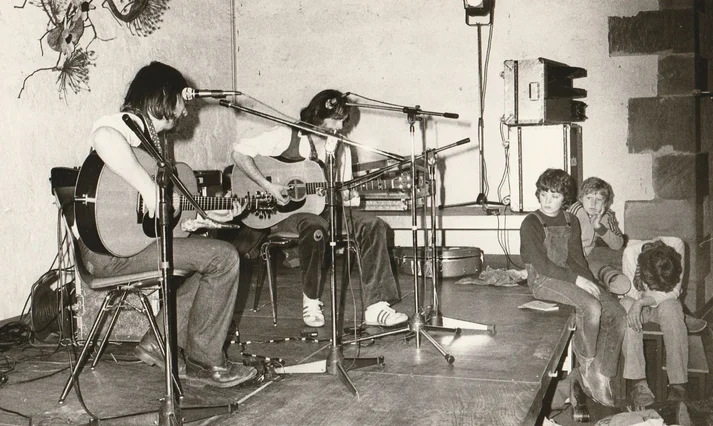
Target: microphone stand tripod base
[
  {"x": 436, "y": 319},
  {"x": 334, "y": 365},
  {"x": 416, "y": 329},
  {"x": 169, "y": 414}
]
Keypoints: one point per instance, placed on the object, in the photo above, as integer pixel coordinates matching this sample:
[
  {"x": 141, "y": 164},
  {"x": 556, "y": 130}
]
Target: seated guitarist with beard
[
  {"x": 205, "y": 301},
  {"x": 328, "y": 112}
]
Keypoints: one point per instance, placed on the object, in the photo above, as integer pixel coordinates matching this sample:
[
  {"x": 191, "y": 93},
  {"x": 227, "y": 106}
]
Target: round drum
[{"x": 452, "y": 261}]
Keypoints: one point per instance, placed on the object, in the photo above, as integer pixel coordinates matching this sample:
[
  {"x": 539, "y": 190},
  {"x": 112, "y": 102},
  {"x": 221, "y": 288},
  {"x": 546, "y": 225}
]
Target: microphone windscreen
[
  {"x": 188, "y": 94},
  {"x": 331, "y": 103}
]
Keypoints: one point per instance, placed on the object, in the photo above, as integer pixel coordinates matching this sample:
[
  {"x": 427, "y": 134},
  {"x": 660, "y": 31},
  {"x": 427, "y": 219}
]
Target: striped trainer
[{"x": 380, "y": 314}]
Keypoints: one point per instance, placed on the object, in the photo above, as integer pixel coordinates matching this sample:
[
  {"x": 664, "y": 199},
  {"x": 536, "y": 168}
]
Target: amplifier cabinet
[
  {"x": 537, "y": 148},
  {"x": 540, "y": 91}
]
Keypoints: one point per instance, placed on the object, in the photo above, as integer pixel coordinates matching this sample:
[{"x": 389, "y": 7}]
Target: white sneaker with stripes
[
  {"x": 312, "y": 312},
  {"x": 381, "y": 314}
]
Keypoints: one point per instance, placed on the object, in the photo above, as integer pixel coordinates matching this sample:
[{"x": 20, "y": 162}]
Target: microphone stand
[
  {"x": 482, "y": 198},
  {"x": 334, "y": 363},
  {"x": 433, "y": 313},
  {"x": 420, "y": 323},
  {"x": 170, "y": 411}
]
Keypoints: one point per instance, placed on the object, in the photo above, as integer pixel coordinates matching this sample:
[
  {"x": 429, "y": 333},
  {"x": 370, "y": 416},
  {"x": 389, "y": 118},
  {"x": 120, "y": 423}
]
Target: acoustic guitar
[
  {"x": 111, "y": 217},
  {"x": 307, "y": 188}
]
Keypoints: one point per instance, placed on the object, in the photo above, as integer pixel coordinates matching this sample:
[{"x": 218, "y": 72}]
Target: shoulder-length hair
[
  {"x": 326, "y": 104},
  {"x": 155, "y": 90}
]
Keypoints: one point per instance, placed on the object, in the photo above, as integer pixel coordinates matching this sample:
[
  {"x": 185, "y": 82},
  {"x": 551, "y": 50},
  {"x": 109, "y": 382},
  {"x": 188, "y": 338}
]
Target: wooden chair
[{"x": 117, "y": 288}]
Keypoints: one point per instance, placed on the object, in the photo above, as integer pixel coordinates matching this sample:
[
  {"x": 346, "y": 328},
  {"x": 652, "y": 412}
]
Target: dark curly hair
[
  {"x": 556, "y": 180},
  {"x": 659, "y": 266},
  {"x": 155, "y": 89},
  {"x": 332, "y": 104}
]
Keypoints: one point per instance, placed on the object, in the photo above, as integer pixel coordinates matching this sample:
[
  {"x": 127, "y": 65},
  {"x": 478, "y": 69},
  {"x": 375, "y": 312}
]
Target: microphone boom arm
[
  {"x": 233, "y": 105},
  {"x": 376, "y": 173},
  {"x": 407, "y": 110}
]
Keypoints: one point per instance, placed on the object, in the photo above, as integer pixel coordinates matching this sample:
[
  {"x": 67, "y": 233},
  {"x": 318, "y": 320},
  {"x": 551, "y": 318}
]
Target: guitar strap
[{"x": 150, "y": 132}]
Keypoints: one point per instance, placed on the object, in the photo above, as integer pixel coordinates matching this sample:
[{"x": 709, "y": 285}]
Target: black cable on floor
[
  {"x": 14, "y": 334},
  {"x": 17, "y": 413}
]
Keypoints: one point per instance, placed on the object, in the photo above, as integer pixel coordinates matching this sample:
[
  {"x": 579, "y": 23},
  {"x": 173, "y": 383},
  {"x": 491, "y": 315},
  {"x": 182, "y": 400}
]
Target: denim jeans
[
  {"x": 204, "y": 302},
  {"x": 600, "y": 322},
  {"x": 669, "y": 315},
  {"x": 370, "y": 234},
  {"x": 603, "y": 256}
]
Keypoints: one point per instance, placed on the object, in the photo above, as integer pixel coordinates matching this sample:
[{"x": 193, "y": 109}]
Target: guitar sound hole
[{"x": 298, "y": 190}]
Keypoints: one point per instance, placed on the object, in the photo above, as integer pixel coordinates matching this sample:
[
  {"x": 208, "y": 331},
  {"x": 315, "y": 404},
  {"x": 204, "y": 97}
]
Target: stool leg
[
  {"x": 351, "y": 248},
  {"x": 261, "y": 275},
  {"x": 105, "y": 339},
  {"x": 87, "y": 346},
  {"x": 271, "y": 283}
]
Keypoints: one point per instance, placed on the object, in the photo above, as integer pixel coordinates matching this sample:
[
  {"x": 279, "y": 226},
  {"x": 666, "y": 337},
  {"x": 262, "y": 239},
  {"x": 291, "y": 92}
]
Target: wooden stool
[
  {"x": 284, "y": 239},
  {"x": 275, "y": 240}
]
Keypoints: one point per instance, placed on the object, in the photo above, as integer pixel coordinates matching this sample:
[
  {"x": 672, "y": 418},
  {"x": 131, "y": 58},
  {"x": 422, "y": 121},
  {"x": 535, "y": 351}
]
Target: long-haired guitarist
[
  {"x": 328, "y": 111},
  {"x": 205, "y": 301}
]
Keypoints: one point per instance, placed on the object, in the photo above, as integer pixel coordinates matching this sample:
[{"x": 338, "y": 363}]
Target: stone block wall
[{"x": 675, "y": 128}]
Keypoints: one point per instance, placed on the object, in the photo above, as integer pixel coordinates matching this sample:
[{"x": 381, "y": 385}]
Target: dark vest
[{"x": 292, "y": 153}]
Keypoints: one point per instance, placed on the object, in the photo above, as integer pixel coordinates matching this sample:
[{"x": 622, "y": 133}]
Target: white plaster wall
[
  {"x": 421, "y": 52},
  {"x": 40, "y": 131},
  {"x": 417, "y": 52}
]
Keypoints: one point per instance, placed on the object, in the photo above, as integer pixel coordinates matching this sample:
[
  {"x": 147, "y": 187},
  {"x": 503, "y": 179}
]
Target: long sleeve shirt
[
  {"x": 630, "y": 263},
  {"x": 534, "y": 252},
  {"x": 609, "y": 232}
]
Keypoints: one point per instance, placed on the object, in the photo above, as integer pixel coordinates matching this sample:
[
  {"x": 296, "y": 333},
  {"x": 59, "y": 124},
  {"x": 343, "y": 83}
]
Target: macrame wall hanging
[{"x": 68, "y": 23}]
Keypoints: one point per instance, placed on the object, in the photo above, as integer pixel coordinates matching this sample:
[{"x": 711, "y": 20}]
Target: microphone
[
  {"x": 331, "y": 103},
  {"x": 699, "y": 92},
  {"x": 188, "y": 94}
]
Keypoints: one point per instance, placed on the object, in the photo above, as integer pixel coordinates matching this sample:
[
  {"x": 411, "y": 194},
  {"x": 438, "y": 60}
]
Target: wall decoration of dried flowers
[{"x": 66, "y": 27}]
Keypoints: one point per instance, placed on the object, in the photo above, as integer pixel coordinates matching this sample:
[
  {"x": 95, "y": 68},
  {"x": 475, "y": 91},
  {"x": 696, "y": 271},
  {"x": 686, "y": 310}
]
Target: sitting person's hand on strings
[{"x": 215, "y": 218}]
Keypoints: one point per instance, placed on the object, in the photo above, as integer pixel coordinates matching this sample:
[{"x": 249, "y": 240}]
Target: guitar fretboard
[
  {"x": 208, "y": 203},
  {"x": 315, "y": 187}
]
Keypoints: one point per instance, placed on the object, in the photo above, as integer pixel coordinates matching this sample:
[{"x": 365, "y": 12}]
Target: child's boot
[
  {"x": 614, "y": 280},
  {"x": 641, "y": 395},
  {"x": 595, "y": 384}
]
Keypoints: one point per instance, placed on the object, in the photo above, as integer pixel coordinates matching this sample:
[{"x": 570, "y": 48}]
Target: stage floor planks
[{"x": 495, "y": 379}]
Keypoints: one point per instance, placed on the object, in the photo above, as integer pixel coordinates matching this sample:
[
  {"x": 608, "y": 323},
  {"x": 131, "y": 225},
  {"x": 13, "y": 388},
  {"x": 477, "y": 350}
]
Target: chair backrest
[{"x": 63, "y": 181}]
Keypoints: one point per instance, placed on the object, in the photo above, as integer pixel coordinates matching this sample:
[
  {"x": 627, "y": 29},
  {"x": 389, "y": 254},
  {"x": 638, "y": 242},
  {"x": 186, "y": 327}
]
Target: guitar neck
[
  {"x": 315, "y": 187},
  {"x": 381, "y": 184},
  {"x": 210, "y": 203}
]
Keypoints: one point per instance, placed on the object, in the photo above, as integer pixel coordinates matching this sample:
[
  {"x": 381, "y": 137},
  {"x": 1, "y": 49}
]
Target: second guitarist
[{"x": 329, "y": 112}]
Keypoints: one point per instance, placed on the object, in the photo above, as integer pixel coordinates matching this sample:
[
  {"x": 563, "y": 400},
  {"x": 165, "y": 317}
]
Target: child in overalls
[{"x": 551, "y": 248}]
